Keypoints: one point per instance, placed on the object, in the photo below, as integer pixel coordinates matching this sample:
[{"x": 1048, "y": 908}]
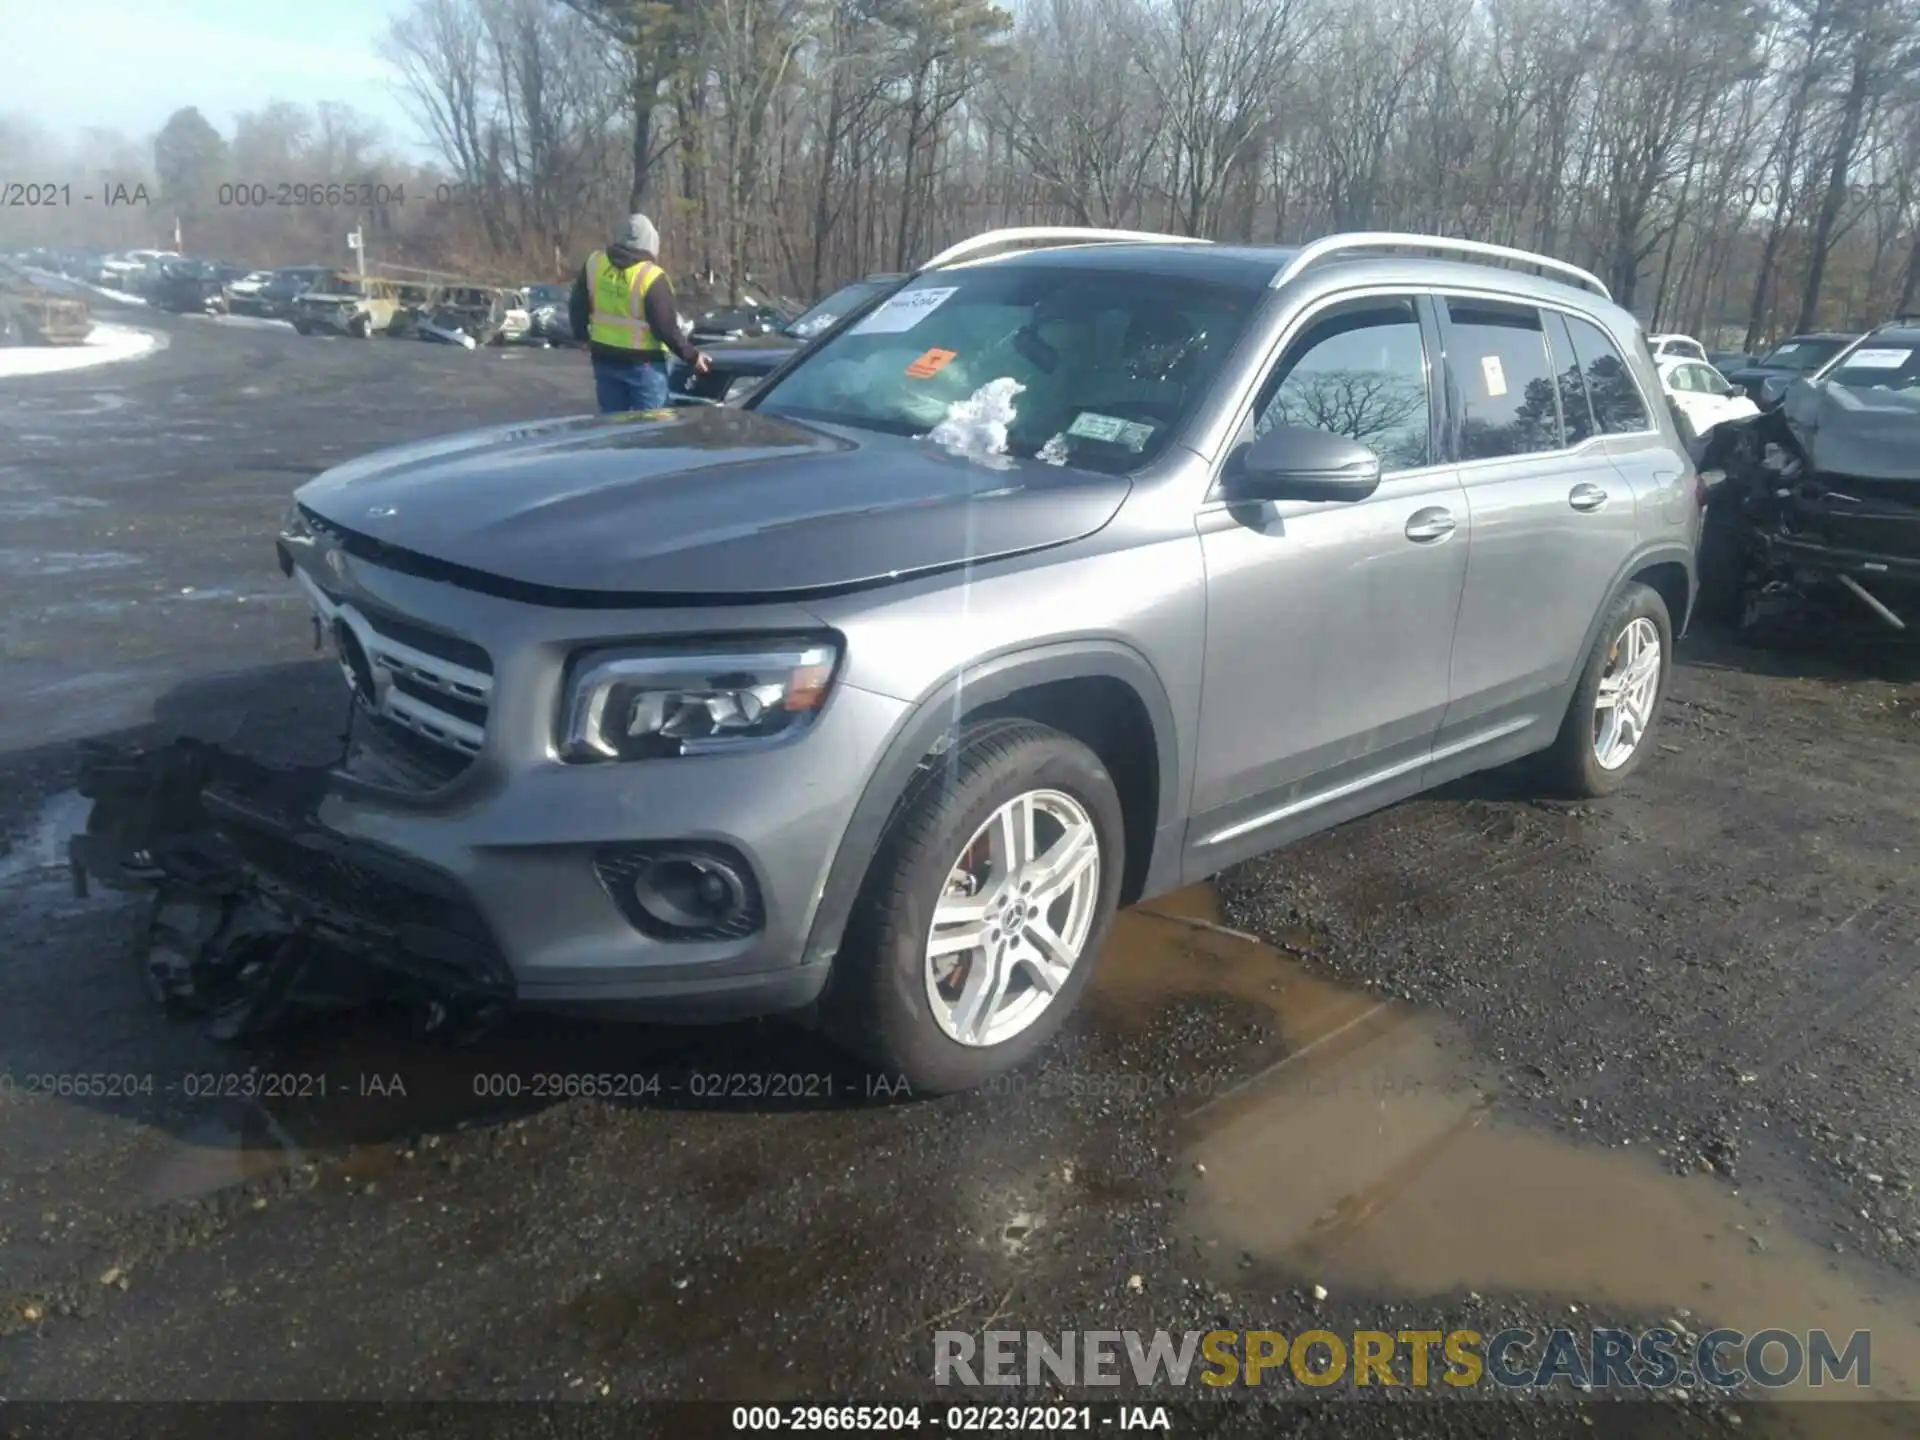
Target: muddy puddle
[{"x": 1370, "y": 1158}]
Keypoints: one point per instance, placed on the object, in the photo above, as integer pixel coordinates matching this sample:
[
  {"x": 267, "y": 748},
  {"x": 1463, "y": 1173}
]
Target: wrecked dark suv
[
  {"x": 1079, "y": 566},
  {"x": 1819, "y": 513}
]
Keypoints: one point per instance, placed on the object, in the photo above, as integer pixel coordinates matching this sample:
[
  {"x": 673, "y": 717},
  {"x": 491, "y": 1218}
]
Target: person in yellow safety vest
[{"x": 622, "y": 309}]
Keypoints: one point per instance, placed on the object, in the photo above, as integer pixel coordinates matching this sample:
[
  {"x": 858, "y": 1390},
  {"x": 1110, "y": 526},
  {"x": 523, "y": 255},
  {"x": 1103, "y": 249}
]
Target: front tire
[
  {"x": 1616, "y": 704},
  {"x": 985, "y": 910}
]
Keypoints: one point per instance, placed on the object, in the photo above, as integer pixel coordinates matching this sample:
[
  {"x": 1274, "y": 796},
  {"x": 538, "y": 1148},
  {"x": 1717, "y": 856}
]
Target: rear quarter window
[{"x": 1618, "y": 407}]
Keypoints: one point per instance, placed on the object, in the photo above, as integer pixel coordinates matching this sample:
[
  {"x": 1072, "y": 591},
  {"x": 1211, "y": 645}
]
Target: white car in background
[
  {"x": 127, "y": 271},
  {"x": 1702, "y": 394},
  {"x": 1676, "y": 347},
  {"x": 249, "y": 286}
]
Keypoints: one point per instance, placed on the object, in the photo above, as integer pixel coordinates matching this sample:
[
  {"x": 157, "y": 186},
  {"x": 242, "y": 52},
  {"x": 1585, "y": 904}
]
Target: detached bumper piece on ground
[
  {"x": 1817, "y": 523},
  {"x": 259, "y": 912}
]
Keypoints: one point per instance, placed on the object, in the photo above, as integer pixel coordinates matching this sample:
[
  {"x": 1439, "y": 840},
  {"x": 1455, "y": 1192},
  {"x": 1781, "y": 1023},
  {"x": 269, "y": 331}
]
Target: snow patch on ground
[
  {"x": 247, "y": 322},
  {"x": 107, "y": 343},
  {"x": 45, "y": 849}
]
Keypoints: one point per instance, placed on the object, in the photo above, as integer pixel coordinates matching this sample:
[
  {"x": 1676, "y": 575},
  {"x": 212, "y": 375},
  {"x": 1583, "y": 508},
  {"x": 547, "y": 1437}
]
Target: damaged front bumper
[
  {"x": 258, "y": 909},
  {"x": 1783, "y": 539}
]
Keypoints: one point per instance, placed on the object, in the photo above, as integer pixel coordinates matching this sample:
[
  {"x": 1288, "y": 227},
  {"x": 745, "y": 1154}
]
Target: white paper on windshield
[
  {"x": 1493, "y": 374},
  {"x": 1876, "y": 359},
  {"x": 1089, "y": 425},
  {"x": 904, "y": 311},
  {"x": 1788, "y": 349}
]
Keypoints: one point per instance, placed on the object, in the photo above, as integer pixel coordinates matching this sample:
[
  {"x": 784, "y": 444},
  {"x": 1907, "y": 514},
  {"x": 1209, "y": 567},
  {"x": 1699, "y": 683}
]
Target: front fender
[{"x": 937, "y": 716}]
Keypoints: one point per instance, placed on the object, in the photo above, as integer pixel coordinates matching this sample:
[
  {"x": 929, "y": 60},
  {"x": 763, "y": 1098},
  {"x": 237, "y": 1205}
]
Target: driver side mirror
[{"x": 1291, "y": 462}]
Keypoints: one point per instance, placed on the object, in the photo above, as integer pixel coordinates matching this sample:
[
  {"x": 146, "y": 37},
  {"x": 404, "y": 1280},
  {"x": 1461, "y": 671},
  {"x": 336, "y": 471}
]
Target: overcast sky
[{"x": 128, "y": 64}]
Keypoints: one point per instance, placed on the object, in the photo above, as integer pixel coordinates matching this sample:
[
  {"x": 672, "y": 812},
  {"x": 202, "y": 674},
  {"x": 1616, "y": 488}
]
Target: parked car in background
[
  {"x": 1676, "y": 347},
  {"x": 414, "y": 302},
  {"x": 196, "y": 287},
  {"x": 77, "y": 264},
  {"x": 246, "y": 291},
  {"x": 547, "y": 314},
  {"x": 289, "y": 283},
  {"x": 516, "y": 319},
  {"x": 739, "y": 365},
  {"x": 876, "y": 696},
  {"x": 737, "y": 322},
  {"x": 127, "y": 271},
  {"x": 1702, "y": 394},
  {"x": 344, "y": 304},
  {"x": 1767, "y": 379},
  {"x": 35, "y": 314},
  {"x": 475, "y": 315}
]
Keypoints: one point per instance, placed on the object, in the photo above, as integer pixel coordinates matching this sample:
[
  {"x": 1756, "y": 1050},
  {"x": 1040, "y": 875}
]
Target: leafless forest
[{"x": 1732, "y": 168}]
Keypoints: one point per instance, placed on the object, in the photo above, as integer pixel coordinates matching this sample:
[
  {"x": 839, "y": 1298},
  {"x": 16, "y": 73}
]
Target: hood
[
  {"x": 1758, "y": 372},
  {"x": 1866, "y": 434},
  {"x": 705, "y": 503}
]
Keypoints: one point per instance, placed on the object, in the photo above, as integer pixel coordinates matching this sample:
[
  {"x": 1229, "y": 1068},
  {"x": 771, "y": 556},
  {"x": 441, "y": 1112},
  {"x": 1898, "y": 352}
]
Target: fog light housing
[{"x": 682, "y": 892}]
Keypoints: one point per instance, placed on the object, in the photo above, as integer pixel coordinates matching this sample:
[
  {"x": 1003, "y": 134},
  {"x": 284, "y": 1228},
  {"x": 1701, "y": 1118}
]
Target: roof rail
[
  {"x": 1044, "y": 235},
  {"x": 1447, "y": 248}
]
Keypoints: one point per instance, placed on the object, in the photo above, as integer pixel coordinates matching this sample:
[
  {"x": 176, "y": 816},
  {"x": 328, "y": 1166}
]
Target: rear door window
[
  {"x": 1576, "y": 412},
  {"x": 1618, "y": 408},
  {"x": 1497, "y": 355}
]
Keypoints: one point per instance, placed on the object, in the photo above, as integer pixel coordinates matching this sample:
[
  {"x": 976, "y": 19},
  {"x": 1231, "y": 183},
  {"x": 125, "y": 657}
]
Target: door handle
[
  {"x": 1432, "y": 523},
  {"x": 1586, "y": 497}
]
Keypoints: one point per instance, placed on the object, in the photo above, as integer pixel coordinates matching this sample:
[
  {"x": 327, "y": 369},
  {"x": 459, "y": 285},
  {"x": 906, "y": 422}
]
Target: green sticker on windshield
[{"x": 1133, "y": 434}]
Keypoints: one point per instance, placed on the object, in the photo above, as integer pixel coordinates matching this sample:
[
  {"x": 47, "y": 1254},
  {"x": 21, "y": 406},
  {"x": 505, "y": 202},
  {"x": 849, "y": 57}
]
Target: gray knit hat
[{"x": 639, "y": 234}]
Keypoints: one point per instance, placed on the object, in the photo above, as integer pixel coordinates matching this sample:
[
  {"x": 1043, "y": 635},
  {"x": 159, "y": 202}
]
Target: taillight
[{"x": 1699, "y": 490}]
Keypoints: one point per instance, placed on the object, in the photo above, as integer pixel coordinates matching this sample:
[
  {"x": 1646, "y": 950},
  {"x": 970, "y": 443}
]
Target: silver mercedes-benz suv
[{"x": 1078, "y": 566}]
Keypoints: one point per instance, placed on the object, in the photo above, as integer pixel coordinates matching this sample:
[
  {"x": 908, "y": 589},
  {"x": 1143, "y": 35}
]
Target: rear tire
[
  {"x": 881, "y": 1002},
  {"x": 1588, "y": 759}
]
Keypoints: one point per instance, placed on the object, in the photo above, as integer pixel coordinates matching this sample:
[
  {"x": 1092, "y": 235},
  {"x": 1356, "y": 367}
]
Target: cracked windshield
[{"x": 960, "y": 717}]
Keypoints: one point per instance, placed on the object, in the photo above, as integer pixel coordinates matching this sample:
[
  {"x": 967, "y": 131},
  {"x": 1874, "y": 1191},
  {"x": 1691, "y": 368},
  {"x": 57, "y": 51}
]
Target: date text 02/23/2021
[{"x": 951, "y": 1419}]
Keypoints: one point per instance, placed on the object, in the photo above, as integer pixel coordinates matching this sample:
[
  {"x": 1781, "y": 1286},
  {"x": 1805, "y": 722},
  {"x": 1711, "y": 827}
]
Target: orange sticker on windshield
[{"x": 931, "y": 363}]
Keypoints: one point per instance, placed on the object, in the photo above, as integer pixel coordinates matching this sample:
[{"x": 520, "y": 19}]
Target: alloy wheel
[
  {"x": 1013, "y": 917},
  {"x": 1629, "y": 689}
]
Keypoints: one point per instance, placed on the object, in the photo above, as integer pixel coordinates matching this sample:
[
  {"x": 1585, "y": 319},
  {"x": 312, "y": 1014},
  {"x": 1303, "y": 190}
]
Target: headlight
[
  {"x": 741, "y": 387},
  {"x": 294, "y": 525},
  {"x": 636, "y": 705}
]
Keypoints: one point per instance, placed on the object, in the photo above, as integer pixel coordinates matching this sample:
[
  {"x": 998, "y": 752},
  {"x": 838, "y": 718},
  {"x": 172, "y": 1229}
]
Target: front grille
[
  {"x": 435, "y": 687},
  {"x": 437, "y": 690}
]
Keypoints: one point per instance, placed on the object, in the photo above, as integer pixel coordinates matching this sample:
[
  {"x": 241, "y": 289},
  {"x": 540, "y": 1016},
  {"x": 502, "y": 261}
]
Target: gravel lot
[{"x": 1489, "y": 1061}]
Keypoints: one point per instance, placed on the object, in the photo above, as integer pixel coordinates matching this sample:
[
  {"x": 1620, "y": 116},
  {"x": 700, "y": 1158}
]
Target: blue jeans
[{"x": 630, "y": 387}]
